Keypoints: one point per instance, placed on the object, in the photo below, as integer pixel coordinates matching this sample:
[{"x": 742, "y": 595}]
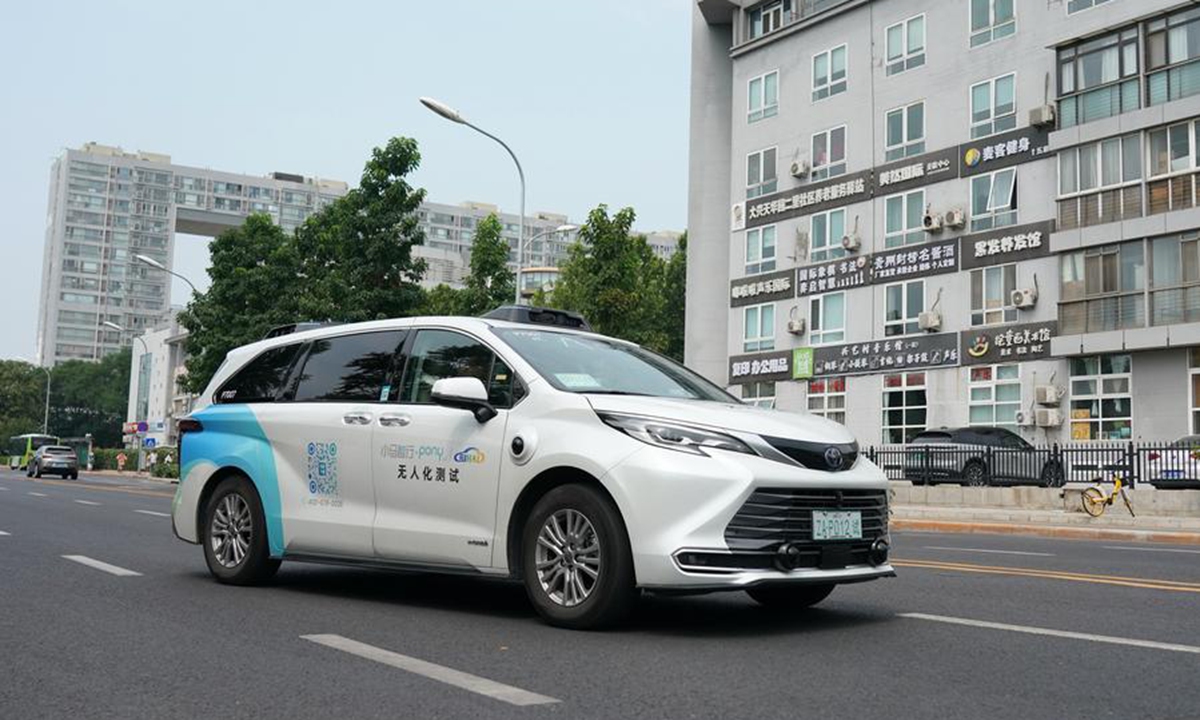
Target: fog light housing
[{"x": 879, "y": 551}]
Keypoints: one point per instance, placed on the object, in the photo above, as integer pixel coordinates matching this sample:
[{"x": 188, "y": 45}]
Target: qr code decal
[{"x": 323, "y": 469}]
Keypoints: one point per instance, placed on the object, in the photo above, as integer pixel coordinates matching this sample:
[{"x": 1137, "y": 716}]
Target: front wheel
[
  {"x": 789, "y": 597},
  {"x": 575, "y": 559},
  {"x": 975, "y": 474},
  {"x": 1094, "y": 502},
  {"x": 235, "y": 535},
  {"x": 1052, "y": 475}
]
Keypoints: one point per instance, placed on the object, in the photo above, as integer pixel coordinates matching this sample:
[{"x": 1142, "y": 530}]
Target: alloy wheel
[
  {"x": 568, "y": 557},
  {"x": 231, "y": 530}
]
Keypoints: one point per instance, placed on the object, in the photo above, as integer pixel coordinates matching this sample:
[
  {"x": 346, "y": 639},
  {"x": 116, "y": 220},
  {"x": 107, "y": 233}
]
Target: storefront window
[
  {"x": 1101, "y": 397},
  {"x": 904, "y": 406},
  {"x": 995, "y": 395},
  {"x": 827, "y": 398},
  {"x": 759, "y": 394},
  {"x": 1194, "y": 384}
]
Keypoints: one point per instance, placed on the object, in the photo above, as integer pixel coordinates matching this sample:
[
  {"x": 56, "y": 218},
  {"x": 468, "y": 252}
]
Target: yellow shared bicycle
[{"x": 1096, "y": 501}]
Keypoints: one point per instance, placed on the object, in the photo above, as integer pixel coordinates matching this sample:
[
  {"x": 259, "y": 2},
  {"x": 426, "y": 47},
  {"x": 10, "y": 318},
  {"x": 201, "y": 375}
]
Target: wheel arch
[{"x": 210, "y": 486}]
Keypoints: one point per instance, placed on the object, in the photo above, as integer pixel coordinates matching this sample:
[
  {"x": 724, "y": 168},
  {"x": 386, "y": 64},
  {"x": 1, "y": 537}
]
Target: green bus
[{"x": 22, "y": 447}]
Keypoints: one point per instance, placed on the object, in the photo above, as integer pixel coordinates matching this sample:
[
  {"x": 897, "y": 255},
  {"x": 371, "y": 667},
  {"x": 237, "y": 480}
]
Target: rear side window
[
  {"x": 350, "y": 368},
  {"x": 439, "y": 354},
  {"x": 261, "y": 379},
  {"x": 931, "y": 438}
]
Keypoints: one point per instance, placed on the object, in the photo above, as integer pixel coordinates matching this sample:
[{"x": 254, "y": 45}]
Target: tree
[
  {"x": 91, "y": 397},
  {"x": 675, "y": 300},
  {"x": 442, "y": 300},
  {"x": 490, "y": 283},
  {"x": 350, "y": 261},
  {"x": 22, "y": 398}
]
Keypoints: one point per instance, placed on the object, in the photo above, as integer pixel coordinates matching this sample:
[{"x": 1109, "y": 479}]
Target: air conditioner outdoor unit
[
  {"x": 851, "y": 242},
  {"x": 1048, "y": 417},
  {"x": 932, "y": 222},
  {"x": 1047, "y": 394},
  {"x": 955, "y": 218},
  {"x": 1024, "y": 297},
  {"x": 1042, "y": 116},
  {"x": 796, "y": 327},
  {"x": 800, "y": 168},
  {"x": 930, "y": 321},
  {"x": 1024, "y": 419}
]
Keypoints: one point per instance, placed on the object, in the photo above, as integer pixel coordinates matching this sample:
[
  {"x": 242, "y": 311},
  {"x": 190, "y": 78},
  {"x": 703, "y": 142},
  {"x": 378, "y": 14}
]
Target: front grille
[
  {"x": 771, "y": 517},
  {"x": 817, "y": 456}
]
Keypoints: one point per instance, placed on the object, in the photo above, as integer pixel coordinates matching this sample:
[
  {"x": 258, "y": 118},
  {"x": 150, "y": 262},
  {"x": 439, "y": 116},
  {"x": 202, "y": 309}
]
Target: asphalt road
[{"x": 974, "y": 627}]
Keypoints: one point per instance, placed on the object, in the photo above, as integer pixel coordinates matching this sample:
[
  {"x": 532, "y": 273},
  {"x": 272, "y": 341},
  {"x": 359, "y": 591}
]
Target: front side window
[
  {"x": 826, "y": 231},
  {"x": 827, "y": 398},
  {"x": 904, "y": 219},
  {"x": 829, "y": 73},
  {"x": 758, "y": 331},
  {"x": 262, "y": 379},
  {"x": 585, "y": 363},
  {"x": 350, "y": 368},
  {"x": 904, "y": 406},
  {"x": 760, "y": 250},
  {"x": 759, "y": 394},
  {"x": 828, "y": 153},
  {"x": 994, "y": 106},
  {"x": 994, "y": 200},
  {"x": 995, "y": 395},
  {"x": 903, "y": 305},
  {"x": 991, "y": 20},
  {"x": 904, "y": 128},
  {"x": 763, "y": 101},
  {"x": 1102, "y": 397},
  {"x": 991, "y": 295},
  {"x": 440, "y": 354},
  {"x": 905, "y": 45},
  {"x": 760, "y": 173},
  {"x": 827, "y": 318}
]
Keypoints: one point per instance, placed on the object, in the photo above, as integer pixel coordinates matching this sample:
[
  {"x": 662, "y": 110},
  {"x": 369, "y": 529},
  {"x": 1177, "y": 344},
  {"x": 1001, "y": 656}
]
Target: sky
[{"x": 591, "y": 95}]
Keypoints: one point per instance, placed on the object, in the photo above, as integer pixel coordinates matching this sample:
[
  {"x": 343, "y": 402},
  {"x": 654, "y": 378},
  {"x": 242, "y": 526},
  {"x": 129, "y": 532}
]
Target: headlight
[{"x": 674, "y": 436}]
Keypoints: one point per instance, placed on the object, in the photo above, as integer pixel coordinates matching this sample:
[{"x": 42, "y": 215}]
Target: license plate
[
  {"x": 837, "y": 525},
  {"x": 1172, "y": 474}
]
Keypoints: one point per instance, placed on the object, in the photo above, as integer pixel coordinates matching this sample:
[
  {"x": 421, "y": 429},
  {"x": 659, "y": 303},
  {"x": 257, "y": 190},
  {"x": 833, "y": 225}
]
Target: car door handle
[
  {"x": 357, "y": 418},
  {"x": 394, "y": 420}
]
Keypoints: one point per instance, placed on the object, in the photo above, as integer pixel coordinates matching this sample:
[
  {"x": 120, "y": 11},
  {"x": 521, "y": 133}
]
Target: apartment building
[{"x": 932, "y": 213}]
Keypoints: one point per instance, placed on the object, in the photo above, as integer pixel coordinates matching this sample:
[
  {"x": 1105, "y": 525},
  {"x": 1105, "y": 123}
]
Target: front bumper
[{"x": 678, "y": 510}]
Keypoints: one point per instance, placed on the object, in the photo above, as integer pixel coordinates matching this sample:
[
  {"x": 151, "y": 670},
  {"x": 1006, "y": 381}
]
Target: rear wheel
[
  {"x": 975, "y": 474},
  {"x": 235, "y": 534},
  {"x": 1093, "y": 502},
  {"x": 576, "y": 562},
  {"x": 785, "y": 597},
  {"x": 1052, "y": 475}
]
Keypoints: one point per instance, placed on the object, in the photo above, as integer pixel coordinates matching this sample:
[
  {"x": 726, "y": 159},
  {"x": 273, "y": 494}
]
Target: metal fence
[{"x": 1159, "y": 464}]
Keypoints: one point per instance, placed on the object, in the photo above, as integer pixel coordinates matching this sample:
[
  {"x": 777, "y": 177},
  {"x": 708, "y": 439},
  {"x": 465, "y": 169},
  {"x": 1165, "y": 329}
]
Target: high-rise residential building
[
  {"x": 924, "y": 213},
  {"x": 108, "y": 206}
]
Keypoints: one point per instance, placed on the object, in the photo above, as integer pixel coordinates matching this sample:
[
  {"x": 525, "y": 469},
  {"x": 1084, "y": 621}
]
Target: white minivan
[{"x": 584, "y": 466}]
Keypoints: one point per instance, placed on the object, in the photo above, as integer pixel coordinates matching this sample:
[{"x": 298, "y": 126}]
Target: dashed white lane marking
[
  {"x": 154, "y": 513},
  {"x": 102, "y": 566},
  {"x": 1109, "y": 639},
  {"x": 1148, "y": 549},
  {"x": 991, "y": 552},
  {"x": 441, "y": 673},
  {"x": 86, "y": 502},
  {"x": 3, "y": 488},
  {"x": 37, "y": 494},
  {"x": 3, "y": 534}
]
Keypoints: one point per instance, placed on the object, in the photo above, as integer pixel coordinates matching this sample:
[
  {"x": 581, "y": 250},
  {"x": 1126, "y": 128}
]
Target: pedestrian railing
[{"x": 1162, "y": 465}]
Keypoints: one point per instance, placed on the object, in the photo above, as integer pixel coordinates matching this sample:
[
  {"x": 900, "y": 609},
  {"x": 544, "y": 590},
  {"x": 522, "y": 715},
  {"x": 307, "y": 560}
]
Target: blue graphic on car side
[{"x": 233, "y": 437}]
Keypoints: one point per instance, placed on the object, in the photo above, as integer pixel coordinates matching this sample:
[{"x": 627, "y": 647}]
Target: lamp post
[
  {"x": 544, "y": 233},
  {"x": 147, "y": 260},
  {"x": 146, "y": 348},
  {"x": 453, "y": 116}
]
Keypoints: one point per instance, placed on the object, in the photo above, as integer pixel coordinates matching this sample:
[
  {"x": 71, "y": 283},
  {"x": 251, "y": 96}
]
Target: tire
[
  {"x": 1052, "y": 475},
  {"x": 37, "y": 473},
  {"x": 1093, "y": 502},
  {"x": 75, "y": 475},
  {"x": 789, "y": 597},
  {"x": 578, "y": 537},
  {"x": 975, "y": 474},
  {"x": 235, "y": 511}
]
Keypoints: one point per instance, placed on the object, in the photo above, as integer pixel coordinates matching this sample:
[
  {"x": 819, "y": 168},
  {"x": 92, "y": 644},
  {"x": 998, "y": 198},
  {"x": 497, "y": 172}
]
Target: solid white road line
[
  {"x": 86, "y": 502},
  {"x": 154, "y": 513},
  {"x": 37, "y": 494},
  {"x": 1147, "y": 549},
  {"x": 441, "y": 673},
  {"x": 1151, "y": 644},
  {"x": 92, "y": 563},
  {"x": 992, "y": 552}
]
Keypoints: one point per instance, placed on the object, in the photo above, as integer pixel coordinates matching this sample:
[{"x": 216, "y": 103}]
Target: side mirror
[{"x": 465, "y": 393}]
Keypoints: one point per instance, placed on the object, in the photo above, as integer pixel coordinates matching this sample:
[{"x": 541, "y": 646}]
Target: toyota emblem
[{"x": 833, "y": 458}]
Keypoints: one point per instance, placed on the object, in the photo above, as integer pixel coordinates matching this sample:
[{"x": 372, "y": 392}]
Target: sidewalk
[{"x": 1116, "y": 524}]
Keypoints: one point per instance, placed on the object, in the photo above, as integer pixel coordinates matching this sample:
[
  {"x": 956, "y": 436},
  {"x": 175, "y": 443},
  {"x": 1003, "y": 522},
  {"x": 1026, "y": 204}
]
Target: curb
[{"x": 1054, "y": 531}]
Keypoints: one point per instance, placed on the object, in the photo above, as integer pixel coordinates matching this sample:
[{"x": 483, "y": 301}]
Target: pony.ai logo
[{"x": 472, "y": 455}]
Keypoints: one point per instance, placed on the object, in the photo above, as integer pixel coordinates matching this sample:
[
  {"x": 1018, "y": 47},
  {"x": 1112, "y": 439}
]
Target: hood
[{"x": 727, "y": 416}]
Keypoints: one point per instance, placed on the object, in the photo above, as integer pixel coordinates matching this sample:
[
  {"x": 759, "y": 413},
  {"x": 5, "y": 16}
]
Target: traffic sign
[
  {"x": 142, "y": 427},
  {"x": 149, "y": 442}
]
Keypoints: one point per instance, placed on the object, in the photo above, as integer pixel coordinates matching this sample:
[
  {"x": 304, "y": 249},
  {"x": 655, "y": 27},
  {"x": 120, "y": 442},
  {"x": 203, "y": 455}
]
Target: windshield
[
  {"x": 57, "y": 450},
  {"x": 594, "y": 364},
  {"x": 1187, "y": 441}
]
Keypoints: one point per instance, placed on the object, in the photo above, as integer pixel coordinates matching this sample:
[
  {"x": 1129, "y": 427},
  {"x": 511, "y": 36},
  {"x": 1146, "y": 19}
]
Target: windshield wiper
[{"x": 613, "y": 392}]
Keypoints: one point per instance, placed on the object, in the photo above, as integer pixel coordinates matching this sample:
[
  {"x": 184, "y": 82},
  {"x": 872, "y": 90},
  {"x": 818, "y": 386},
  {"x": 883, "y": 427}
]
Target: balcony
[{"x": 769, "y": 18}]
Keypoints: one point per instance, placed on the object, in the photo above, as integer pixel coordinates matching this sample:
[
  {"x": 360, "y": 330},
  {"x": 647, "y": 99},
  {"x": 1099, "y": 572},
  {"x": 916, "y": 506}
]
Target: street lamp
[
  {"x": 147, "y": 260},
  {"x": 452, "y": 115},
  {"x": 112, "y": 325},
  {"x": 544, "y": 233}
]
